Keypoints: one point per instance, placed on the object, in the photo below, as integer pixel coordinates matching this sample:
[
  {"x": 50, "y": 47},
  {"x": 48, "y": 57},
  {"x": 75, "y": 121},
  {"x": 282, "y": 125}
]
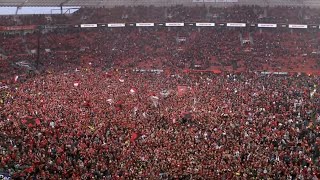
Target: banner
[
  {"x": 236, "y": 24},
  {"x": 50, "y": 27},
  {"x": 89, "y": 25},
  {"x": 267, "y": 25},
  {"x": 17, "y": 28},
  {"x": 174, "y": 24},
  {"x": 209, "y": 1},
  {"x": 233, "y": 1},
  {"x": 221, "y": 1},
  {"x": 117, "y": 25},
  {"x": 62, "y": 26},
  {"x": 298, "y": 26},
  {"x": 197, "y": 1},
  {"x": 144, "y": 24},
  {"x": 205, "y": 24},
  {"x": 149, "y": 70},
  {"x": 57, "y": 26},
  {"x": 181, "y": 39},
  {"x": 278, "y": 73},
  {"x": 24, "y": 64}
]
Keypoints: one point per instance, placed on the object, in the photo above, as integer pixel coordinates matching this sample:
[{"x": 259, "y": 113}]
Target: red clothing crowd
[
  {"x": 124, "y": 103},
  {"x": 160, "y": 48},
  {"x": 124, "y": 124}
]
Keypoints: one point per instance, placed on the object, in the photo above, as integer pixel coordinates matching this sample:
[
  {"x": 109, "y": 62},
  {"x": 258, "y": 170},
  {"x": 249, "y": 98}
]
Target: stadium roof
[{"x": 111, "y": 3}]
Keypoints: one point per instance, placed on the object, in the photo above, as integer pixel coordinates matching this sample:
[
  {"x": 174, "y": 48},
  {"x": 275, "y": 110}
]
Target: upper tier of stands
[
  {"x": 174, "y": 13},
  {"x": 225, "y": 49}
]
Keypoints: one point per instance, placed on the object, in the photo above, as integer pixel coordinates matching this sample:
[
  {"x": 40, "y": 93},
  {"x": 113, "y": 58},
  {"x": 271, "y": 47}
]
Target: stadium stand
[{"x": 161, "y": 102}]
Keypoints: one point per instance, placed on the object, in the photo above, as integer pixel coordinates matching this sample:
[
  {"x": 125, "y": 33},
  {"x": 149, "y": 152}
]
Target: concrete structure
[{"x": 111, "y": 3}]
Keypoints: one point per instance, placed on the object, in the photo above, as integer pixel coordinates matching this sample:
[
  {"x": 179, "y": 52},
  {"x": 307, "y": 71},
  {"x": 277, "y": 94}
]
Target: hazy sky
[{"x": 33, "y": 10}]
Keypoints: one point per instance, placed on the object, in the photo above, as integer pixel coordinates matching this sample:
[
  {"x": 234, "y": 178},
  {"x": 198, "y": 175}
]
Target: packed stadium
[{"x": 160, "y": 89}]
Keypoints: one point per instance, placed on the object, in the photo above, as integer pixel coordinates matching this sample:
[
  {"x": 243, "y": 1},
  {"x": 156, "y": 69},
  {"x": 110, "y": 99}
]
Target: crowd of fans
[
  {"x": 125, "y": 103},
  {"x": 224, "y": 49},
  {"x": 123, "y": 124}
]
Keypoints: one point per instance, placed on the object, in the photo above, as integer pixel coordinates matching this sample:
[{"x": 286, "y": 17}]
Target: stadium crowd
[
  {"x": 160, "y": 48},
  {"x": 123, "y": 124},
  {"x": 116, "y": 103},
  {"x": 250, "y": 14}
]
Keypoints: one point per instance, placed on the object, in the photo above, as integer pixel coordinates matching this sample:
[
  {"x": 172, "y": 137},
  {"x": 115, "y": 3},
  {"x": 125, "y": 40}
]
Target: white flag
[
  {"x": 110, "y": 101},
  {"x": 135, "y": 109},
  {"x": 155, "y": 100},
  {"x": 165, "y": 93},
  {"x": 16, "y": 78},
  {"x": 132, "y": 91}
]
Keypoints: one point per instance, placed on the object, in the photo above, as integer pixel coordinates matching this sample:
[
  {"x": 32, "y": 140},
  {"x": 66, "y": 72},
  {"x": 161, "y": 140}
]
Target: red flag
[
  {"x": 134, "y": 136},
  {"x": 29, "y": 170},
  {"x": 182, "y": 90},
  {"x": 217, "y": 71},
  {"x": 37, "y": 121},
  {"x": 30, "y": 121}
]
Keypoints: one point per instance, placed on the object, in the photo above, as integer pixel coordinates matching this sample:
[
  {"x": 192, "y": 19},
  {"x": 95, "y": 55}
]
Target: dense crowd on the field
[
  {"x": 123, "y": 124},
  {"x": 81, "y": 111}
]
